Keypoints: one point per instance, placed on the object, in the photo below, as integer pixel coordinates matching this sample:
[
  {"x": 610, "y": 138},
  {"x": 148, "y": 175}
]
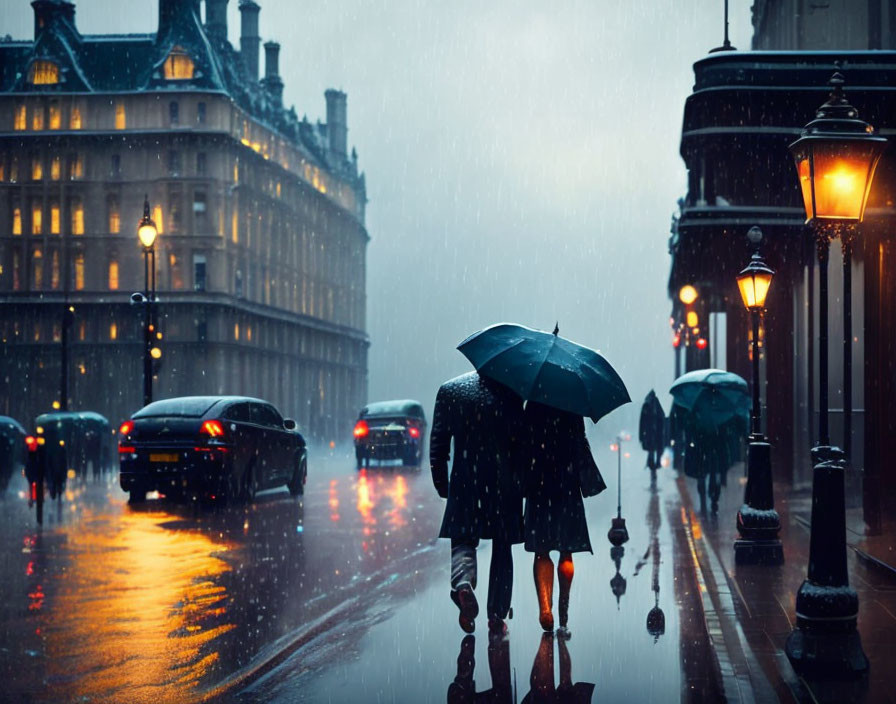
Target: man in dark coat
[
  {"x": 484, "y": 491},
  {"x": 651, "y": 429}
]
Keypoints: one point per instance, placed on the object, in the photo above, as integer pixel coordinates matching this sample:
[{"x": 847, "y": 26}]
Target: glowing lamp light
[
  {"x": 687, "y": 294},
  {"x": 614, "y": 447},
  {"x": 692, "y": 320},
  {"x": 835, "y": 158},
  {"x": 56, "y": 405},
  {"x": 31, "y": 442},
  {"x": 155, "y": 353},
  {"x": 701, "y": 343},
  {"x": 676, "y": 340},
  {"x": 146, "y": 228},
  {"x": 754, "y": 282}
]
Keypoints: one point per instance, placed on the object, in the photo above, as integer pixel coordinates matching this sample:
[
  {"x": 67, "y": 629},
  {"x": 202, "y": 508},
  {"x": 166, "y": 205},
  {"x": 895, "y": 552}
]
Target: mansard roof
[{"x": 135, "y": 62}]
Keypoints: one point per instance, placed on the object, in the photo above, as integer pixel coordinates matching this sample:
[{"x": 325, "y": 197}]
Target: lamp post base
[
  {"x": 757, "y": 521},
  {"x": 826, "y": 655}
]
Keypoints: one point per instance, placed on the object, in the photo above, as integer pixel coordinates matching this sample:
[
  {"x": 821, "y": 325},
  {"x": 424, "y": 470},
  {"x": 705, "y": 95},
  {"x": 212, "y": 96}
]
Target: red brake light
[
  {"x": 31, "y": 442},
  {"x": 361, "y": 429},
  {"x": 126, "y": 428},
  {"x": 414, "y": 432},
  {"x": 212, "y": 428},
  {"x": 125, "y": 449}
]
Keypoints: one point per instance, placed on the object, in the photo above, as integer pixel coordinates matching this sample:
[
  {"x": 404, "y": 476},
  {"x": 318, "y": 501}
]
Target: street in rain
[{"x": 470, "y": 352}]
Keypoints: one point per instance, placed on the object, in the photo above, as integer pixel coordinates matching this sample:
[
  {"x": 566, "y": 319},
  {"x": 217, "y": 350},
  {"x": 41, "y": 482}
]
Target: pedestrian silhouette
[
  {"x": 462, "y": 689},
  {"x": 542, "y": 689},
  {"x": 651, "y": 429},
  {"x": 484, "y": 488},
  {"x": 561, "y": 470}
]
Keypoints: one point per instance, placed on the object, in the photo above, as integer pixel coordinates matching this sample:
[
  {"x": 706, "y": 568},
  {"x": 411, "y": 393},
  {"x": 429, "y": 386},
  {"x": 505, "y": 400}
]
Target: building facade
[
  {"x": 747, "y": 107},
  {"x": 260, "y": 258}
]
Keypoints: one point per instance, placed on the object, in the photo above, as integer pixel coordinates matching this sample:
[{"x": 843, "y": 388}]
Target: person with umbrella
[
  {"x": 651, "y": 429},
  {"x": 561, "y": 382},
  {"x": 484, "y": 489}
]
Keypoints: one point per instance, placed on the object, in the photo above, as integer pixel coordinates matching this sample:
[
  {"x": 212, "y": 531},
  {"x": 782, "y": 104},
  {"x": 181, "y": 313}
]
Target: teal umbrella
[
  {"x": 544, "y": 367},
  {"x": 711, "y": 396}
]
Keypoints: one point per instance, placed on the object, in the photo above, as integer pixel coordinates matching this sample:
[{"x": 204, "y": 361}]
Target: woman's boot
[
  {"x": 565, "y": 572},
  {"x": 543, "y": 571}
]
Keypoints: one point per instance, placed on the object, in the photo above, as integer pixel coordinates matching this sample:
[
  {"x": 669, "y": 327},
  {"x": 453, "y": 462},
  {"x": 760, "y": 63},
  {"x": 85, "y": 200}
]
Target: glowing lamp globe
[
  {"x": 754, "y": 282},
  {"x": 835, "y": 157},
  {"x": 146, "y": 228},
  {"x": 687, "y": 294}
]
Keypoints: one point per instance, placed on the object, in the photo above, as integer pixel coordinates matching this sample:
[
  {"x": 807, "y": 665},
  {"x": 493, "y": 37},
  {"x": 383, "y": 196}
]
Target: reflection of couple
[
  {"x": 501, "y": 453},
  {"x": 541, "y": 682}
]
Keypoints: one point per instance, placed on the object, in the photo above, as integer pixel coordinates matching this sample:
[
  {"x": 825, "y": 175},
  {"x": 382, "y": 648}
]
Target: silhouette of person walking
[{"x": 541, "y": 681}]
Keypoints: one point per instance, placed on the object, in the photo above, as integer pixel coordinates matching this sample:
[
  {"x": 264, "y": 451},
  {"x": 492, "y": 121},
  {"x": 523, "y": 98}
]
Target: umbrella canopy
[
  {"x": 712, "y": 396},
  {"x": 544, "y": 367}
]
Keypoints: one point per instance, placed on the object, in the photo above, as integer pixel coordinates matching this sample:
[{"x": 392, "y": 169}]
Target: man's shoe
[
  {"x": 465, "y": 599},
  {"x": 497, "y": 629}
]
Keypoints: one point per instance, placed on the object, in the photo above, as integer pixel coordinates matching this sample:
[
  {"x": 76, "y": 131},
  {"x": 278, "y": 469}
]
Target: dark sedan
[
  {"x": 390, "y": 430},
  {"x": 211, "y": 447}
]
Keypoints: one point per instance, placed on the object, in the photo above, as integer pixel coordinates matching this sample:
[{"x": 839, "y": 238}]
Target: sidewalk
[{"x": 749, "y": 611}]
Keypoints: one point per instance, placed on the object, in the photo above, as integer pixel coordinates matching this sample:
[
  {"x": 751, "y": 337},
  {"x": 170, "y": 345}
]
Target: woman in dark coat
[{"x": 561, "y": 463}]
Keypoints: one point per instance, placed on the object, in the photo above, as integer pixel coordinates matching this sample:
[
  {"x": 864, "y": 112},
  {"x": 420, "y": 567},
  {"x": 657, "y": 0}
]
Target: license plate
[{"x": 164, "y": 457}]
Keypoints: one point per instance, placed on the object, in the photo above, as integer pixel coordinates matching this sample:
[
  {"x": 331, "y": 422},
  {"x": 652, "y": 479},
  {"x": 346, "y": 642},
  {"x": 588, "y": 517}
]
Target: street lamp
[
  {"x": 147, "y": 233},
  {"x": 757, "y": 521},
  {"x": 835, "y": 156},
  {"x": 618, "y": 533}
]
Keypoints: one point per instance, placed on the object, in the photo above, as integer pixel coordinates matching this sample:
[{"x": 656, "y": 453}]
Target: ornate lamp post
[
  {"x": 757, "y": 521},
  {"x": 147, "y": 233},
  {"x": 618, "y": 533},
  {"x": 835, "y": 159}
]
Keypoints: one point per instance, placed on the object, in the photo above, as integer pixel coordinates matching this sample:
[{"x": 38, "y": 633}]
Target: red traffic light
[{"x": 701, "y": 343}]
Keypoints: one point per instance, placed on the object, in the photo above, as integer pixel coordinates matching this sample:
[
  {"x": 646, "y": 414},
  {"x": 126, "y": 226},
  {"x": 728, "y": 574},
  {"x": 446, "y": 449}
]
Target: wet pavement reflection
[
  {"x": 162, "y": 603},
  {"x": 406, "y": 646}
]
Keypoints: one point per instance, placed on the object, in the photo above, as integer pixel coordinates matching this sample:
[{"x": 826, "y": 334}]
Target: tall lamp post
[
  {"x": 147, "y": 233},
  {"x": 835, "y": 156},
  {"x": 618, "y": 533},
  {"x": 757, "y": 521}
]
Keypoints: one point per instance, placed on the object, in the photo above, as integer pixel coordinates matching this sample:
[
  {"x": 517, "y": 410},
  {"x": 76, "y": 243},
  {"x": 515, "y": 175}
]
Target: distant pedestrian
[
  {"x": 561, "y": 471},
  {"x": 651, "y": 429},
  {"x": 484, "y": 488}
]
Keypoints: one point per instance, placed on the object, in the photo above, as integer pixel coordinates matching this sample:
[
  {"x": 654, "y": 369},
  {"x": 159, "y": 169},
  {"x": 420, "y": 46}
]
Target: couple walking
[{"x": 506, "y": 452}]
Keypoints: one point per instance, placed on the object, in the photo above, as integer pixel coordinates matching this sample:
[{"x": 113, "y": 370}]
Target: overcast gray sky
[{"x": 521, "y": 157}]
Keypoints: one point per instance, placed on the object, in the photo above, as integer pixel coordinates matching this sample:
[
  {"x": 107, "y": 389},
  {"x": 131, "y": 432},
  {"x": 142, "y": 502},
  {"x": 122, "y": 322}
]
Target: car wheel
[
  {"x": 136, "y": 496},
  {"x": 296, "y": 485}
]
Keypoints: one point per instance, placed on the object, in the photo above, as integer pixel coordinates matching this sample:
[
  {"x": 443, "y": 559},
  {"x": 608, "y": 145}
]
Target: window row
[
  {"x": 41, "y": 168},
  {"x": 52, "y": 116}
]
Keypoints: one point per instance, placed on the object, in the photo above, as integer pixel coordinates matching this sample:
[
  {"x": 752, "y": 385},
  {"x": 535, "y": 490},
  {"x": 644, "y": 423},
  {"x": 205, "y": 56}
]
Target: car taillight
[
  {"x": 414, "y": 432},
  {"x": 126, "y": 428},
  {"x": 212, "y": 428},
  {"x": 31, "y": 442},
  {"x": 361, "y": 429},
  {"x": 124, "y": 450}
]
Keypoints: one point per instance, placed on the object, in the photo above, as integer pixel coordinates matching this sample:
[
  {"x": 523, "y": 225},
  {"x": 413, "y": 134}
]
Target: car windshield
[{"x": 189, "y": 407}]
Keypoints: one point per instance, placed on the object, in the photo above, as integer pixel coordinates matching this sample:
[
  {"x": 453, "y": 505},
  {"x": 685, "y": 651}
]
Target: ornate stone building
[{"x": 262, "y": 243}]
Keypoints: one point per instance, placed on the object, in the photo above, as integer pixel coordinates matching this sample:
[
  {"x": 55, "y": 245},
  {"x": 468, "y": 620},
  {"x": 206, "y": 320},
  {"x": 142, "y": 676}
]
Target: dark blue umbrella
[
  {"x": 712, "y": 396},
  {"x": 544, "y": 367}
]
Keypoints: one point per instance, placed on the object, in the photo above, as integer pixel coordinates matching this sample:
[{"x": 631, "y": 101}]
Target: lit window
[
  {"x": 157, "y": 218},
  {"x": 2, "y": 171},
  {"x": 37, "y": 265},
  {"x": 113, "y": 275},
  {"x": 77, "y": 217},
  {"x": 20, "y": 122},
  {"x": 120, "y": 116},
  {"x": 178, "y": 65},
  {"x": 114, "y": 216},
  {"x": 37, "y": 119},
  {"x": 113, "y": 331},
  {"x": 37, "y": 216},
  {"x": 54, "y": 271},
  {"x": 82, "y": 330},
  {"x": 54, "y": 219},
  {"x": 17, "y": 221},
  {"x": 55, "y": 116},
  {"x": 79, "y": 272},
  {"x": 56, "y": 168},
  {"x": 43, "y": 73},
  {"x": 236, "y": 331},
  {"x": 74, "y": 118},
  {"x": 234, "y": 227},
  {"x": 75, "y": 167},
  {"x": 37, "y": 168}
]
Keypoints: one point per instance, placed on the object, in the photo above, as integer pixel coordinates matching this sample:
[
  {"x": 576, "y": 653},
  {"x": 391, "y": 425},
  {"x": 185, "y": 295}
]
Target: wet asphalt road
[{"x": 339, "y": 597}]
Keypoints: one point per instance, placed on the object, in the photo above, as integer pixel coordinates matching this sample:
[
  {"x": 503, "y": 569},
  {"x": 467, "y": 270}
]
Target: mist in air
[{"x": 521, "y": 163}]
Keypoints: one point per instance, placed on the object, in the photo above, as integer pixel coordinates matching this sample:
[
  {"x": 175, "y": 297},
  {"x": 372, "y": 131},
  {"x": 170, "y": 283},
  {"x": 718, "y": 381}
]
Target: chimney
[
  {"x": 216, "y": 19},
  {"x": 173, "y": 12},
  {"x": 272, "y": 81},
  {"x": 48, "y": 11},
  {"x": 249, "y": 39},
  {"x": 337, "y": 129}
]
